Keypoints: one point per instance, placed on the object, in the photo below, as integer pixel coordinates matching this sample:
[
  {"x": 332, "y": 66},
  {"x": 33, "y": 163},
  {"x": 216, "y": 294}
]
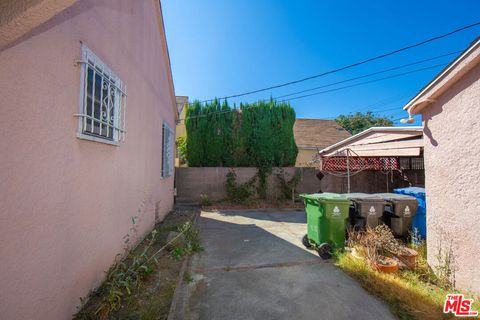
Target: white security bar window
[
  {"x": 167, "y": 151},
  {"x": 102, "y": 101}
]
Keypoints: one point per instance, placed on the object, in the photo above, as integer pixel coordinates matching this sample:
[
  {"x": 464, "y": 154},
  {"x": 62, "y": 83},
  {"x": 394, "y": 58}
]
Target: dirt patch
[{"x": 151, "y": 297}]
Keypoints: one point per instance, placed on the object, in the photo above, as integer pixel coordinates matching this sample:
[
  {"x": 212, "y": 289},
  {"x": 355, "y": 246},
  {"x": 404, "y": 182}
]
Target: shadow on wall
[{"x": 373, "y": 181}]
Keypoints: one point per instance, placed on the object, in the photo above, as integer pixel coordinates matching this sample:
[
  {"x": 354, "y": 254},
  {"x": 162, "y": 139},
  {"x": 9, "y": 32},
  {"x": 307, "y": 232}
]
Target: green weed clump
[{"x": 125, "y": 279}]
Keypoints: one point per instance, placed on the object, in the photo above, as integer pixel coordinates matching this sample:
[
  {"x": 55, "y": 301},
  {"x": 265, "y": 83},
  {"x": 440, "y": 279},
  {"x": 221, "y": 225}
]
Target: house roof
[
  {"x": 317, "y": 133},
  {"x": 380, "y": 142},
  {"x": 454, "y": 71}
]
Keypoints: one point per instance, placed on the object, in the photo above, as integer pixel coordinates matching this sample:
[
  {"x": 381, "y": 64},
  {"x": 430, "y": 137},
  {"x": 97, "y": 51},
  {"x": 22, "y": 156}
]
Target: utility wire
[
  {"x": 343, "y": 81},
  {"x": 362, "y": 83},
  {"x": 351, "y": 65},
  {"x": 369, "y": 75}
]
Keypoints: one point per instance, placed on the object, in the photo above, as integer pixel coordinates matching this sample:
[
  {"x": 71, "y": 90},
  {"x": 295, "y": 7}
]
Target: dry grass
[{"x": 410, "y": 294}]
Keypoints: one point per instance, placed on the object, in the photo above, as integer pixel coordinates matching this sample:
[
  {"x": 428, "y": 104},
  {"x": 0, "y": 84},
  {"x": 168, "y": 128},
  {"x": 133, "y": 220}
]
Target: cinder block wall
[{"x": 191, "y": 182}]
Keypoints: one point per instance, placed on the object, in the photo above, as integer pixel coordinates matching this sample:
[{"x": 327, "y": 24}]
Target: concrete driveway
[{"x": 255, "y": 267}]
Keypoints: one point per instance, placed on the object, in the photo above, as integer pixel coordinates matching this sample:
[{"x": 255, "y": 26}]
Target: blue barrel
[{"x": 419, "y": 221}]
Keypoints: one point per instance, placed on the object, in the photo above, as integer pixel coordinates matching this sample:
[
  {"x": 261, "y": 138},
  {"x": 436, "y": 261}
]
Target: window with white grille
[
  {"x": 102, "y": 101},
  {"x": 167, "y": 151}
]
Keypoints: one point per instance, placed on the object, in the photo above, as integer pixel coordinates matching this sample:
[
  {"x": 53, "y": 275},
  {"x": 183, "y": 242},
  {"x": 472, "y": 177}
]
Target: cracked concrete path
[{"x": 254, "y": 266}]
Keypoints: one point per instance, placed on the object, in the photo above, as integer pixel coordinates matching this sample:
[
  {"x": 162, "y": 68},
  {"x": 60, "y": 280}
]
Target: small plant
[
  {"x": 445, "y": 266},
  {"x": 187, "y": 277},
  {"x": 288, "y": 187},
  {"x": 182, "y": 149},
  {"x": 191, "y": 243},
  {"x": 178, "y": 253},
  {"x": 205, "y": 200},
  {"x": 124, "y": 278},
  {"x": 239, "y": 192}
]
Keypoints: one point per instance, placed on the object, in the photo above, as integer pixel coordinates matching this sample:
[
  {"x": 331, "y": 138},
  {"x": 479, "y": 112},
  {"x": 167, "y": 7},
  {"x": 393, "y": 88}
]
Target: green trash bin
[{"x": 326, "y": 218}]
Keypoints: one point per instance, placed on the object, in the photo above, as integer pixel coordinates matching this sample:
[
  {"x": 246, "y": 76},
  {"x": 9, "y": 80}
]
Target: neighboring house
[
  {"x": 86, "y": 132},
  {"x": 180, "y": 129},
  {"x": 312, "y": 135},
  {"x": 395, "y": 151},
  {"x": 380, "y": 142},
  {"x": 450, "y": 109}
]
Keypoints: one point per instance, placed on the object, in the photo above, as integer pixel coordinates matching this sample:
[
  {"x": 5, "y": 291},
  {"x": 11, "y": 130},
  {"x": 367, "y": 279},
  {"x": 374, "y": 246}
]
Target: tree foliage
[
  {"x": 181, "y": 144},
  {"x": 254, "y": 135},
  {"x": 358, "y": 122}
]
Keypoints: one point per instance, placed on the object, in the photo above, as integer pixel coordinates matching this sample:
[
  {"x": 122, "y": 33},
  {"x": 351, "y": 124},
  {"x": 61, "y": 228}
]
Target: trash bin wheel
[
  {"x": 306, "y": 242},
  {"x": 325, "y": 251}
]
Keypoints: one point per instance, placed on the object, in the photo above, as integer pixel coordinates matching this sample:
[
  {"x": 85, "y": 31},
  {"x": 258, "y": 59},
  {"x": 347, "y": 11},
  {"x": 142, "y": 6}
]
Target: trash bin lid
[
  {"x": 325, "y": 196},
  {"x": 363, "y": 196},
  {"x": 412, "y": 191},
  {"x": 395, "y": 196}
]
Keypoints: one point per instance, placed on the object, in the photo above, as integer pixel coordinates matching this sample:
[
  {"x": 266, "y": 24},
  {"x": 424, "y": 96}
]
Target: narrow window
[
  {"x": 167, "y": 151},
  {"x": 102, "y": 101}
]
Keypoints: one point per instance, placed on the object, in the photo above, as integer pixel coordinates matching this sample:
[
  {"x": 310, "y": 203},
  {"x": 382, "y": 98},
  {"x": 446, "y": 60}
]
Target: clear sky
[{"x": 224, "y": 47}]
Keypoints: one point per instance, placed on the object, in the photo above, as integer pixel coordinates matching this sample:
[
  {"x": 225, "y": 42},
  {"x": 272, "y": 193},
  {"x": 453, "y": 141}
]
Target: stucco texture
[
  {"x": 67, "y": 203},
  {"x": 452, "y": 169}
]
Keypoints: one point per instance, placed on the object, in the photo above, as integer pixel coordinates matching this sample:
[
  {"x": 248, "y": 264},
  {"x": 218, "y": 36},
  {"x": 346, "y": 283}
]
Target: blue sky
[{"x": 223, "y": 47}]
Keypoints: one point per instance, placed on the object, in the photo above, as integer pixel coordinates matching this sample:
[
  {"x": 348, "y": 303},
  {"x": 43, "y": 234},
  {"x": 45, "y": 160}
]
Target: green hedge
[{"x": 254, "y": 135}]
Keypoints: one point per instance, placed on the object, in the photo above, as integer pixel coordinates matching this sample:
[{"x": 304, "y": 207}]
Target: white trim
[
  {"x": 378, "y": 129},
  {"x": 412, "y": 103},
  {"x": 84, "y": 136}
]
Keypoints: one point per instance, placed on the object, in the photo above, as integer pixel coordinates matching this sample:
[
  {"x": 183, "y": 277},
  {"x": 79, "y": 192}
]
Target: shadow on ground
[{"x": 255, "y": 267}]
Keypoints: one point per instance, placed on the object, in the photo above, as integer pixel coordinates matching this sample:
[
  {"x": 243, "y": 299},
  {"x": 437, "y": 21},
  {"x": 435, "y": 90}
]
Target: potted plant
[
  {"x": 378, "y": 242},
  {"x": 385, "y": 264}
]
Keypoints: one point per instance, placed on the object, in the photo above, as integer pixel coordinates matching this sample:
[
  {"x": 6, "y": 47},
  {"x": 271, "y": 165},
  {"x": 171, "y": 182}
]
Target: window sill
[{"x": 96, "y": 139}]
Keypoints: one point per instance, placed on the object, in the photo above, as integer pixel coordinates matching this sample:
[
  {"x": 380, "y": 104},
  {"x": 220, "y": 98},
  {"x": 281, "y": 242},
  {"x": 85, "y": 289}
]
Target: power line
[
  {"x": 351, "y": 65},
  {"x": 362, "y": 83},
  {"x": 326, "y": 91},
  {"x": 343, "y": 81},
  {"x": 370, "y": 74}
]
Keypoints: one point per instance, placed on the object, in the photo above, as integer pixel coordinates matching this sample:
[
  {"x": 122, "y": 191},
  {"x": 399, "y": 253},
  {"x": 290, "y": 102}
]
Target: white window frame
[
  {"x": 111, "y": 82},
  {"x": 168, "y": 151}
]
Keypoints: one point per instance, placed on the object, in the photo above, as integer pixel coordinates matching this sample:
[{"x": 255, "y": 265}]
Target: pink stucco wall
[
  {"x": 66, "y": 203},
  {"x": 452, "y": 173}
]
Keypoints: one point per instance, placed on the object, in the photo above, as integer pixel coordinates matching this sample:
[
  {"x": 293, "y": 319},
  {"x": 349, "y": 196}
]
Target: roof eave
[
  {"x": 428, "y": 94},
  {"x": 365, "y": 132}
]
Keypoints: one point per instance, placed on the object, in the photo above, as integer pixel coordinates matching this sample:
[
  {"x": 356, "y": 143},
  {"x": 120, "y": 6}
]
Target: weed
[
  {"x": 288, "y": 187},
  {"x": 125, "y": 277},
  {"x": 205, "y": 200},
  {"x": 187, "y": 277},
  {"x": 239, "y": 192},
  {"x": 178, "y": 253}
]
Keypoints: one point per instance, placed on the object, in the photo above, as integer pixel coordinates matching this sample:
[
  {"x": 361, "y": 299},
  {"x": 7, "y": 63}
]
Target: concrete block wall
[{"x": 191, "y": 182}]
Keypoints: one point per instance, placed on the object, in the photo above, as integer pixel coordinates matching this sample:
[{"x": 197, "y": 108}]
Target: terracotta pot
[
  {"x": 389, "y": 267},
  {"x": 408, "y": 257}
]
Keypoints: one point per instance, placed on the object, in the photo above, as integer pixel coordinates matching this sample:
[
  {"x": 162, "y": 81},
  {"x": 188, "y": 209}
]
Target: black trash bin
[
  {"x": 366, "y": 210},
  {"x": 399, "y": 211}
]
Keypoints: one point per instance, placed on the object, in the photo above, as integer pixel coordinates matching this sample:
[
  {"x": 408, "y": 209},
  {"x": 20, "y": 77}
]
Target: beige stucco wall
[
  {"x": 452, "y": 169},
  {"x": 305, "y": 158},
  {"x": 66, "y": 203}
]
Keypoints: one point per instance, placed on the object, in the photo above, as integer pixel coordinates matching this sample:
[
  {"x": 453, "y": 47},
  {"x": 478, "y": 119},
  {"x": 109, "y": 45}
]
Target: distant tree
[
  {"x": 182, "y": 149},
  {"x": 358, "y": 122}
]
